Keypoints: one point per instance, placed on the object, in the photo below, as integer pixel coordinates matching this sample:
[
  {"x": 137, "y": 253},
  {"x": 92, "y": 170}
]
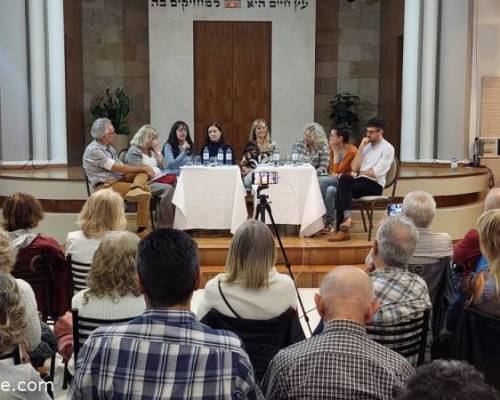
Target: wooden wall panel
[
  {"x": 213, "y": 78},
  {"x": 251, "y": 77},
  {"x": 74, "y": 81}
]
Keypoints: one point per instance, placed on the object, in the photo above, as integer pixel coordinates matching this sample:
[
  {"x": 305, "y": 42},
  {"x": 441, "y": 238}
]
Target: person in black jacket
[{"x": 214, "y": 141}]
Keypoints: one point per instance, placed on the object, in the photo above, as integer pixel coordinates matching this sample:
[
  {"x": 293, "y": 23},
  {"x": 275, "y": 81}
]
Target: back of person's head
[
  {"x": 21, "y": 211},
  {"x": 102, "y": 212},
  {"x": 7, "y": 252},
  {"x": 376, "y": 122},
  {"x": 450, "y": 380},
  {"x": 396, "y": 241},
  {"x": 168, "y": 267},
  {"x": 488, "y": 226},
  {"x": 420, "y": 207},
  {"x": 251, "y": 255},
  {"x": 346, "y": 292},
  {"x": 113, "y": 269},
  {"x": 99, "y": 127},
  {"x": 12, "y": 313},
  {"x": 145, "y": 134},
  {"x": 492, "y": 200}
]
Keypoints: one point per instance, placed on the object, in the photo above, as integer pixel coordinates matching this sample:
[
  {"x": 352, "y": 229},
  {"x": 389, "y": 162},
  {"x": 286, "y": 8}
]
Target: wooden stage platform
[{"x": 459, "y": 196}]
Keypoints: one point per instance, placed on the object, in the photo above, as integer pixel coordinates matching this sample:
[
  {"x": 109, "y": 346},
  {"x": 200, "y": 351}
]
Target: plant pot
[{"x": 121, "y": 142}]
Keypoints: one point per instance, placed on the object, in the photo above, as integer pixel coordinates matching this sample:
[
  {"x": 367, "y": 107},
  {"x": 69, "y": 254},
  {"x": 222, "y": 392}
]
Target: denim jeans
[{"x": 328, "y": 186}]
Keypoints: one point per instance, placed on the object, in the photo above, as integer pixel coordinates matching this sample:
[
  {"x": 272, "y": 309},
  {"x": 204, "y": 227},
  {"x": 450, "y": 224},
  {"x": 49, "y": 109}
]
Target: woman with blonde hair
[
  {"x": 145, "y": 149},
  {"x": 488, "y": 298},
  {"x": 102, "y": 212},
  {"x": 251, "y": 284},
  {"x": 12, "y": 331},
  {"x": 112, "y": 289},
  {"x": 260, "y": 139},
  {"x": 31, "y": 331},
  {"x": 313, "y": 148}
]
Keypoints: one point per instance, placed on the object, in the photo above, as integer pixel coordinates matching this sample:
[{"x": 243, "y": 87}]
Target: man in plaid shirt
[
  {"x": 342, "y": 362},
  {"x": 165, "y": 353}
]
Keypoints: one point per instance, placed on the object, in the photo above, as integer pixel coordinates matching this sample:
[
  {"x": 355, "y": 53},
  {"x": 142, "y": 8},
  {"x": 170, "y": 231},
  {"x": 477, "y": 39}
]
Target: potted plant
[
  {"x": 115, "y": 107},
  {"x": 345, "y": 112}
]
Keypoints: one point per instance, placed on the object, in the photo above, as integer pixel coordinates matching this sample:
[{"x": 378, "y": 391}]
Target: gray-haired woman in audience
[
  {"x": 251, "y": 284},
  {"x": 145, "y": 149}
]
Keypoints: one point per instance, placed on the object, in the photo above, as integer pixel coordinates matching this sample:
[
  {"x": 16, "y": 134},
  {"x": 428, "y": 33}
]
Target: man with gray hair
[
  {"x": 342, "y": 362},
  {"x": 104, "y": 170},
  {"x": 467, "y": 251},
  {"x": 402, "y": 295},
  {"x": 420, "y": 207}
]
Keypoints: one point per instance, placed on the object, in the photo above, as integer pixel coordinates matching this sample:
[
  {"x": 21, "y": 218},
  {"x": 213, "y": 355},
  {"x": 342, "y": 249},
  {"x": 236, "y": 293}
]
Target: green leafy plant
[
  {"x": 345, "y": 112},
  {"x": 115, "y": 107}
]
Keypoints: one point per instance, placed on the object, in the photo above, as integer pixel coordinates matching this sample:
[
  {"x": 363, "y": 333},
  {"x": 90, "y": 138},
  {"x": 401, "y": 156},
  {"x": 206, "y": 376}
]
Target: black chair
[
  {"x": 12, "y": 358},
  {"x": 406, "y": 338},
  {"x": 476, "y": 340},
  {"x": 83, "y": 327},
  {"x": 262, "y": 338},
  {"x": 79, "y": 274}
]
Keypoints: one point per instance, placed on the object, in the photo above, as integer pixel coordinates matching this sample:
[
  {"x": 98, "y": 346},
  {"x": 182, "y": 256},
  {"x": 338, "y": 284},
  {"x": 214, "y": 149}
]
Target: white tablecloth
[
  {"x": 296, "y": 199},
  {"x": 209, "y": 198}
]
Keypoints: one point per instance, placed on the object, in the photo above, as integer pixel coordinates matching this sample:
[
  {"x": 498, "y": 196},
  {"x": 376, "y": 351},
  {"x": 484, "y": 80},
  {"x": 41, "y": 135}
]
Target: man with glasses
[
  {"x": 104, "y": 170},
  {"x": 369, "y": 169}
]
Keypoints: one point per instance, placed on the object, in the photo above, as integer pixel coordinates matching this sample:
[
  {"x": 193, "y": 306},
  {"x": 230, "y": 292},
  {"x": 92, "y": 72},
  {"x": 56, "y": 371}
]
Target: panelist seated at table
[
  {"x": 178, "y": 148},
  {"x": 261, "y": 137},
  {"x": 145, "y": 150},
  {"x": 103, "y": 169},
  {"x": 313, "y": 148},
  {"x": 341, "y": 155},
  {"x": 215, "y": 141},
  {"x": 368, "y": 176}
]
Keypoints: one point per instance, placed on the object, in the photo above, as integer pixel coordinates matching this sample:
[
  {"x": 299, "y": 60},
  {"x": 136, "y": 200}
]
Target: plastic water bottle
[
  {"x": 206, "y": 157},
  {"x": 220, "y": 156},
  {"x": 295, "y": 157},
  {"x": 229, "y": 156},
  {"x": 276, "y": 157}
]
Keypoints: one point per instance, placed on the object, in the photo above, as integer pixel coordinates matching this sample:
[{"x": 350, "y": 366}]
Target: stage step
[{"x": 306, "y": 276}]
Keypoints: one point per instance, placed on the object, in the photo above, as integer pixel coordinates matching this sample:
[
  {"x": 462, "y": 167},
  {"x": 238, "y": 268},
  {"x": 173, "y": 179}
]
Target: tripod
[{"x": 260, "y": 213}]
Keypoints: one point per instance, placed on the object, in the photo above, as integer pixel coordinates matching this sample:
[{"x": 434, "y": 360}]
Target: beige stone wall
[
  {"x": 115, "y": 54},
  {"x": 358, "y": 53}
]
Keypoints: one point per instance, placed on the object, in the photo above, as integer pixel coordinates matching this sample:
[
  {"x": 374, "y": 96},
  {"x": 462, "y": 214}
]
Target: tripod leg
[{"x": 260, "y": 213}]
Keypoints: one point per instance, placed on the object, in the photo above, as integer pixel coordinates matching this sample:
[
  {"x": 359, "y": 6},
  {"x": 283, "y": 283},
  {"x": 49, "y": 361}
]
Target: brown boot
[{"x": 340, "y": 236}]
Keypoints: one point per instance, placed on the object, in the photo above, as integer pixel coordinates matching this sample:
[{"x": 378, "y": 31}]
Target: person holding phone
[
  {"x": 178, "y": 148},
  {"x": 215, "y": 141},
  {"x": 369, "y": 169}
]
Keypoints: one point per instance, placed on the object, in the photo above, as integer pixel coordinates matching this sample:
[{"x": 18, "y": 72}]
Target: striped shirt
[
  {"x": 341, "y": 363},
  {"x": 319, "y": 158},
  {"x": 163, "y": 354},
  {"x": 431, "y": 247}
]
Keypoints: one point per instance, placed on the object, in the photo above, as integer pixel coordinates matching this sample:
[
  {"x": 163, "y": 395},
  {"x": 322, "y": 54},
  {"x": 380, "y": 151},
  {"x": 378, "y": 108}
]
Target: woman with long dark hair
[
  {"x": 178, "y": 147},
  {"x": 215, "y": 141}
]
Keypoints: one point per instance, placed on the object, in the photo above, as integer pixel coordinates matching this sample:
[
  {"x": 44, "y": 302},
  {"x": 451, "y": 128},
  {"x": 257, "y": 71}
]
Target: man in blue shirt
[{"x": 165, "y": 353}]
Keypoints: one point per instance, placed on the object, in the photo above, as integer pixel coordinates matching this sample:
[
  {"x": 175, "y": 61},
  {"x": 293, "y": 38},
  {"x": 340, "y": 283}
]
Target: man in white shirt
[{"x": 369, "y": 169}]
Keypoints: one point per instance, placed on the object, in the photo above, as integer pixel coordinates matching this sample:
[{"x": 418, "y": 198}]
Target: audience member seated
[
  {"x": 215, "y": 141},
  {"x": 251, "y": 288},
  {"x": 402, "y": 295},
  {"x": 488, "y": 299},
  {"x": 15, "y": 379},
  {"x": 420, "y": 207},
  {"x": 262, "y": 153},
  {"x": 22, "y": 213},
  {"x": 179, "y": 147},
  {"x": 341, "y": 155},
  {"x": 450, "y": 380},
  {"x": 32, "y": 331},
  {"x": 103, "y": 212},
  {"x": 369, "y": 169},
  {"x": 466, "y": 251},
  {"x": 104, "y": 170},
  {"x": 145, "y": 150},
  {"x": 313, "y": 148},
  {"x": 341, "y": 362},
  {"x": 167, "y": 352}
]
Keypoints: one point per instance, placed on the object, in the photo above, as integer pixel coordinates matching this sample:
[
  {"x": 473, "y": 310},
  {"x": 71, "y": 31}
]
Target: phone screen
[
  {"x": 261, "y": 178},
  {"x": 395, "y": 209}
]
